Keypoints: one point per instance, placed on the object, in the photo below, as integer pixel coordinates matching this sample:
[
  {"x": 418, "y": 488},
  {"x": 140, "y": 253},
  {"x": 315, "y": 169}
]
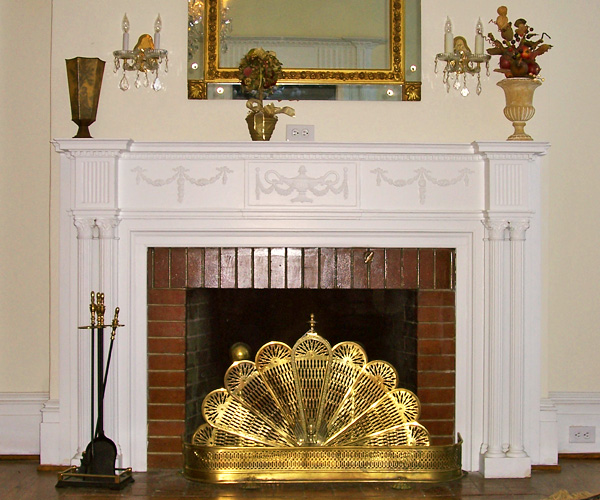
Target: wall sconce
[
  {"x": 460, "y": 61},
  {"x": 146, "y": 57}
]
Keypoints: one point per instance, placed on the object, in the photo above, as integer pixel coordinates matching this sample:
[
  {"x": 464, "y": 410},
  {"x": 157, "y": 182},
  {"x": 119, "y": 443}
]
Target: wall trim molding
[
  {"x": 20, "y": 419},
  {"x": 576, "y": 409}
]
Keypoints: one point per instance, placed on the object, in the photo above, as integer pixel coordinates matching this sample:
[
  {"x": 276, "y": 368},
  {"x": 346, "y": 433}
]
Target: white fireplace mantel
[{"x": 120, "y": 197}]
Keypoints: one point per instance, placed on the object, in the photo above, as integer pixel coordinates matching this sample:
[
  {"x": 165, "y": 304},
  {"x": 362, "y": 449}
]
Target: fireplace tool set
[{"x": 97, "y": 467}]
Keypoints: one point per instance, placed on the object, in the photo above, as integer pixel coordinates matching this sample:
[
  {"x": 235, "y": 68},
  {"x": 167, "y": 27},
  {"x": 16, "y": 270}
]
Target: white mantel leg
[{"x": 506, "y": 341}]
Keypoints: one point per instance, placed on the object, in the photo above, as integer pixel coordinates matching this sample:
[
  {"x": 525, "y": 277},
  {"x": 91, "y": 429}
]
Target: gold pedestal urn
[{"x": 519, "y": 104}]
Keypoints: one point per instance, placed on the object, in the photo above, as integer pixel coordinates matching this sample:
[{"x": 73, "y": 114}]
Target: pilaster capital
[
  {"x": 517, "y": 229},
  {"x": 107, "y": 228},
  {"x": 85, "y": 228},
  {"x": 496, "y": 228}
]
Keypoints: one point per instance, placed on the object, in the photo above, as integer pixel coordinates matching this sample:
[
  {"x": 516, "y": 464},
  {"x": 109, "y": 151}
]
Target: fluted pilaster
[
  {"x": 517, "y": 231},
  {"x": 495, "y": 246}
]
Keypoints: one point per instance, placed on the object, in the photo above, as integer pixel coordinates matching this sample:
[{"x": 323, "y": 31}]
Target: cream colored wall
[
  {"x": 24, "y": 195},
  {"x": 567, "y": 116}
]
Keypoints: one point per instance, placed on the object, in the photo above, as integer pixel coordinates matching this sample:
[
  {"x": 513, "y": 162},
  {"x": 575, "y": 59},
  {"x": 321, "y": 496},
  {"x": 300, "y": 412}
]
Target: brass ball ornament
[{"x": 240, "y": 351}]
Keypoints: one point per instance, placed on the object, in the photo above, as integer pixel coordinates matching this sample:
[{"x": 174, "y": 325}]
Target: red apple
[
  {"x": 504, "y": 62},
  {"x": 533, "y": 68}
]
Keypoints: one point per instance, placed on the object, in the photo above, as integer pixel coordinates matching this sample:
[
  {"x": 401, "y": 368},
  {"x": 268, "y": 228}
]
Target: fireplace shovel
[{"x": 101, "y": 453}]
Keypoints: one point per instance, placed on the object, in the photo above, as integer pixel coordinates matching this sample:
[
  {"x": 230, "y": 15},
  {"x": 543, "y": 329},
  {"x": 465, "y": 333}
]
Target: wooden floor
[{"x": 21, "y": 480}]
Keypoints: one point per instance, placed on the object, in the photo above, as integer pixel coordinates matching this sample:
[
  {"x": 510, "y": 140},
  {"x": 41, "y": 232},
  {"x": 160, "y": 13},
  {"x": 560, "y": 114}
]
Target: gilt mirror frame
[{"x": 394, "y": 74}]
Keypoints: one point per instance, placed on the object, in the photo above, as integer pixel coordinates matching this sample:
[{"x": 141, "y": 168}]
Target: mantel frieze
[{"x": 312, "y": 156}]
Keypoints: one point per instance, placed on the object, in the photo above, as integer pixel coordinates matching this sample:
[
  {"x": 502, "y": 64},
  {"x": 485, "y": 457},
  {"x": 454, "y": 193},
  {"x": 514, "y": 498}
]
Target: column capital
[
  {"x": 107, "y": 227},
  {"x": 518, "y": 228},
  {"x": 85, "y": 228},
  {"x": 496, "y": 228}
]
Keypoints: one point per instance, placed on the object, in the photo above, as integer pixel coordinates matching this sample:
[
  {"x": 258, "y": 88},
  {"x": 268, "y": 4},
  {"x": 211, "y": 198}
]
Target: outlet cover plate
[
  {"x": 300, "y": 133},
  {"x": 582, "y": 434}
]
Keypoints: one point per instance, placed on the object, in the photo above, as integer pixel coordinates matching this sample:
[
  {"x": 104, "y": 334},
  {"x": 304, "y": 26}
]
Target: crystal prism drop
[
  {"x": 124, "y": 83},
  {"x": 456, "y": 85},
  {"x": 156, "y": 84},
  {"x": 137, "y": 81},
  {"x": 146, "y": 81},
  {"x": 464, "y": 91}
]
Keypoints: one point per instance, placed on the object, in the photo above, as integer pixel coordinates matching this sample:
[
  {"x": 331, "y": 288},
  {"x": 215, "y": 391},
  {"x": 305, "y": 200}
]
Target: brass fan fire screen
[{"x": 315, "y": 413}]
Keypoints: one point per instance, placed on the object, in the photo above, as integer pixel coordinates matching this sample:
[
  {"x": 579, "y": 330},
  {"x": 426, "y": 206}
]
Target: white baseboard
[
  {"x": 50, "y": 444},
  {"x": 548, "y": 452},
  {"x": 576, "y": 409},
  {"x": 20, "y": 419}
]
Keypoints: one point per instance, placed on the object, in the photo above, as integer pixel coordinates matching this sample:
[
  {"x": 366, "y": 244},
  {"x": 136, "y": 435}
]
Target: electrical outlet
[
  {"x": 582, "y": 434},
  {"x": 304, "y": 133}
]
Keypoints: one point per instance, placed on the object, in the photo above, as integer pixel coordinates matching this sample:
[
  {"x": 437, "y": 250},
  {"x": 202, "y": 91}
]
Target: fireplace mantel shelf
[{"x": 120, "y": 197}]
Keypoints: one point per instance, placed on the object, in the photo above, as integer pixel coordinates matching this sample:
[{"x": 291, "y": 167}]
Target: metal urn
[{"x": 85, "y": 79}]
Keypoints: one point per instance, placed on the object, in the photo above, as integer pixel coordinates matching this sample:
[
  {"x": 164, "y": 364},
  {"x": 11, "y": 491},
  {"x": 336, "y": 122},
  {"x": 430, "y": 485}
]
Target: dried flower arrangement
[{"x": 519, "y": 47}]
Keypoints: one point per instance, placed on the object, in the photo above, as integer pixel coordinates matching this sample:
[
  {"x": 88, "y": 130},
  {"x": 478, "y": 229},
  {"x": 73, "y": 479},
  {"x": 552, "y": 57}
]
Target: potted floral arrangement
[
  {"x": 518, "y": 49},
  {"x": 259, "y": 71}
]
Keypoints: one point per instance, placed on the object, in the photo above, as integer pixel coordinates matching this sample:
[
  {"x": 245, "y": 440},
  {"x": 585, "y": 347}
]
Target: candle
[
  {"x": 157, "y": 28},
  {"x": 479, "y": 38},
  {"x": 125, "y": 26},
  {"x": 448, "y": 37}
]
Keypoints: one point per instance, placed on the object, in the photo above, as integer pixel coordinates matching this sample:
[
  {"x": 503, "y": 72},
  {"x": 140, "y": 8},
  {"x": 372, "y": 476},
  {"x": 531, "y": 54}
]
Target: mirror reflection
[{"x": 339, "y": 49}]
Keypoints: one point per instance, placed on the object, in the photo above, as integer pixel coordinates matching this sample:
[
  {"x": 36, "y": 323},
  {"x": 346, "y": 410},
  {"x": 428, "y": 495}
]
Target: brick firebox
[{"x": 174, "y": 272}]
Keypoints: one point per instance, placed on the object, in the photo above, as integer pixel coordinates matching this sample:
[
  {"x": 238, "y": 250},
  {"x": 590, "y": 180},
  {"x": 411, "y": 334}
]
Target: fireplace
[
  {"x": 477, "y": 202},
  {"x": 399, "y": 306}
]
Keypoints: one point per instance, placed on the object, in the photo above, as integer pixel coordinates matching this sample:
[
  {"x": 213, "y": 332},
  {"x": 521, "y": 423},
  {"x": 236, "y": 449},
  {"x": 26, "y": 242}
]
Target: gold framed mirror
[{"x": 334, "y": 50}]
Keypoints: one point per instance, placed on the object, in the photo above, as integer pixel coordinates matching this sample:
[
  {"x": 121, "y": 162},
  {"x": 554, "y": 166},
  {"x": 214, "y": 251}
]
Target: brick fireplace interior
[{"x": 399, "y": 305}]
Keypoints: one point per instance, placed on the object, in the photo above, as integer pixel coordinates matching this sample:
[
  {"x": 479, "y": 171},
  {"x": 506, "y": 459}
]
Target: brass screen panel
[
  {"x": 245, "y": 384},
  {"x": 274, "y": 363},
  {"x": 348, "y": 360},
  {"x": 207, "y": 435},
  {"x": 373, "y": 382},
  {"x": 220, "y": 410},
  {"x": 394, "y": 408},
  {"x": 312, "y": 363}
]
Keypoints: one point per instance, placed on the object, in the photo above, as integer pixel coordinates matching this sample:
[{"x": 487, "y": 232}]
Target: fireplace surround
[{"x": 120, "y": 198}]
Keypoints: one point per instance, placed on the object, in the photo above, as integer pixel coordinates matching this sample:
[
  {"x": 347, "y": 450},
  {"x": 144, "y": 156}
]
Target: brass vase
[
  {"x": 260, "y": 126},
  {"x": 519, "y": 104},
  {"x": 85, "y": 79}
]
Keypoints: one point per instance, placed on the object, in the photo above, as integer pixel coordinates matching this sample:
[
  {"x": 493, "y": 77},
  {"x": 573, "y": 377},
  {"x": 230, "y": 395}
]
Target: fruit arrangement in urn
[{"x": 518, "y": 47}]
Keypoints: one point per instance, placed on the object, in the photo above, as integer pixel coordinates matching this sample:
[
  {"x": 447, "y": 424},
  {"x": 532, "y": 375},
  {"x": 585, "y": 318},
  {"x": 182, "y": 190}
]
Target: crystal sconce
[
  {"x": 460, "y": 61},
  {"x": 146, "y": 57}
]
